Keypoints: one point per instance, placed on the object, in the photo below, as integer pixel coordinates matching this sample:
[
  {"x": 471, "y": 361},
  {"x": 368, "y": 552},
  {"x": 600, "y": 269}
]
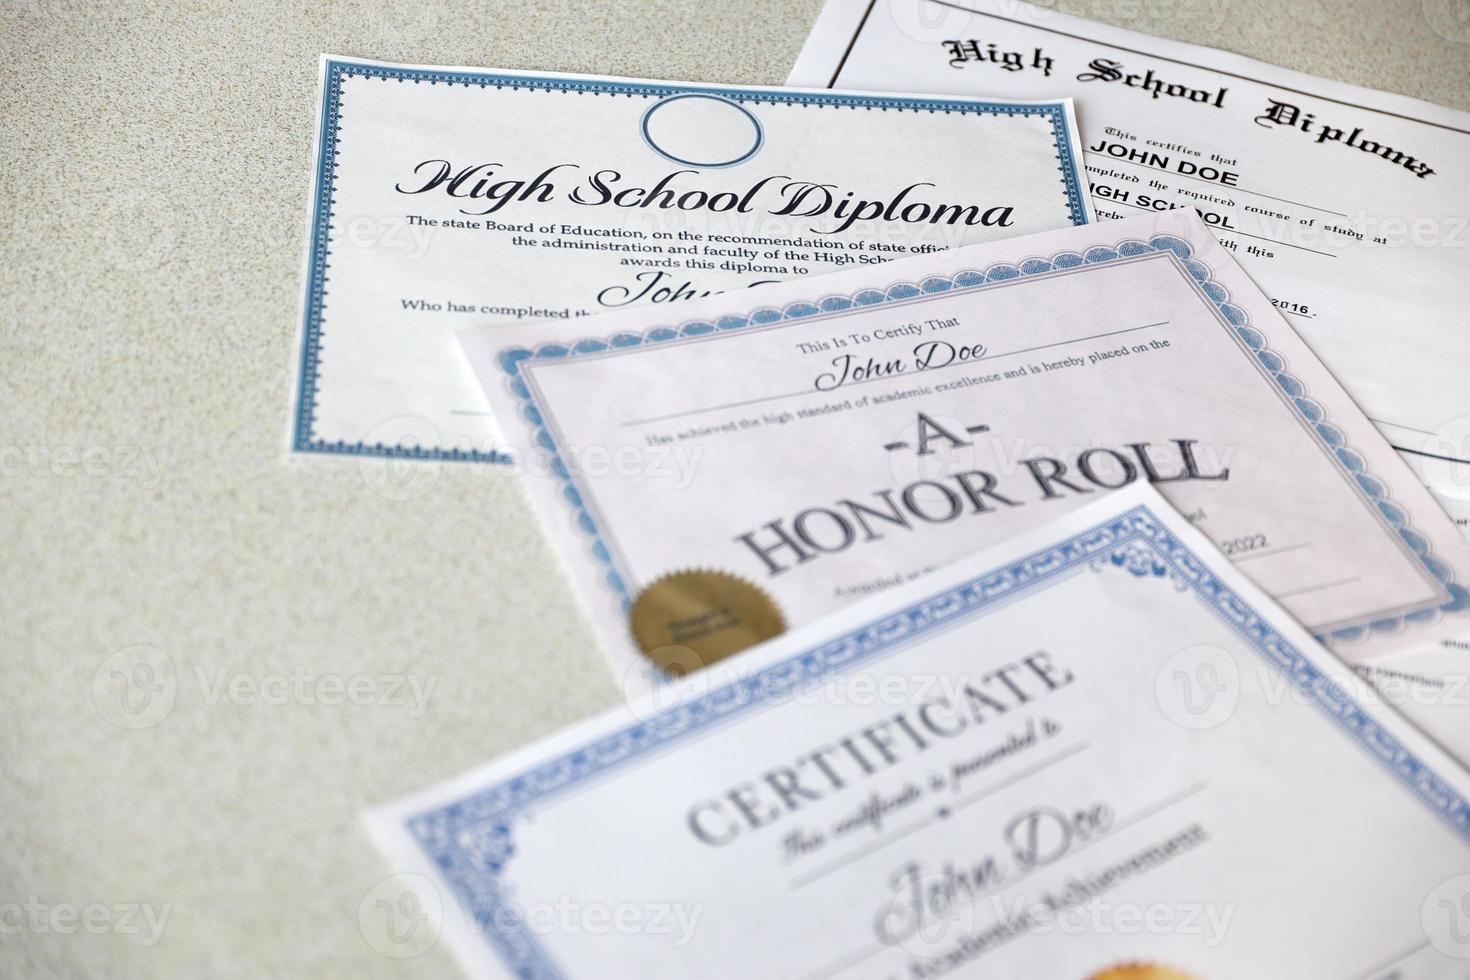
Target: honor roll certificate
[
  {"x": 445, "y": 197},
  {"x": 1095, "y": 751},
  {"x": 1350, "y": 207},
  {"x": 714, "y": 472}
]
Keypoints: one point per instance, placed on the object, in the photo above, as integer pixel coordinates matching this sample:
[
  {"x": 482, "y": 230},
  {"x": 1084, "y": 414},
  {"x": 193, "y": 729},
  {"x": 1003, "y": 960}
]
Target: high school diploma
[
  {"x": 451, "y": 196},
  {"x": 1350, "y": 207}
]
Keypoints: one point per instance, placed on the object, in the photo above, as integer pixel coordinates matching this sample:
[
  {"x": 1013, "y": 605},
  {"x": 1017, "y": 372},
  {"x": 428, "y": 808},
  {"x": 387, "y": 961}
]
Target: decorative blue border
[
  {"x": 1314, "y": 417},
  {"x": 303, "y": 439},
  {"x": 471, "y": 840}
]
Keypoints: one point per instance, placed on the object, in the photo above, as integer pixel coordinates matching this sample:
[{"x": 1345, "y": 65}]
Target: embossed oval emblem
[{"x": 699, "y": 130}]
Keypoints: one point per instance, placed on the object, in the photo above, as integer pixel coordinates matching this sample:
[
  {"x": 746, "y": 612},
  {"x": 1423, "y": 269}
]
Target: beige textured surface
[{"x": 155, "y": 191}]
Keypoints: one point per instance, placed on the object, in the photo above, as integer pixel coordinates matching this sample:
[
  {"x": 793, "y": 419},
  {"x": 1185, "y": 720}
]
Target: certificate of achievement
[
  {"x": 1350, "y": 208},
  {"x": 446, "y": 197},
  {"x": 745, "y": 462},
  {"x": 1096, "y": 751}
]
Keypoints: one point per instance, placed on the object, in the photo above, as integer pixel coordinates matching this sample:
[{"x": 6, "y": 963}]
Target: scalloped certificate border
[
  {"x": 303, "y": 438},
  {"x": 1374, "y": 490},
  {"x": 471, "y": 841}
]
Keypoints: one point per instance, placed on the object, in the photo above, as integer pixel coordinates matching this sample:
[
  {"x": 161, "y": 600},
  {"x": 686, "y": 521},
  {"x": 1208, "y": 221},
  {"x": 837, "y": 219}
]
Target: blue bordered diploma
[
  {"x": 1094, "y": 751},
  {"x": 829, "y": 438},
  {"x": 451, "y": 196}
]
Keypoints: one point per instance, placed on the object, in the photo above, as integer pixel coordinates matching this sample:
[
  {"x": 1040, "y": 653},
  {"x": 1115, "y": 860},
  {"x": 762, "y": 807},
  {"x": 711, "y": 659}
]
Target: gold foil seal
[
  {"x": 1142, "y": 971},
  {"x": 688, "y": 620}
]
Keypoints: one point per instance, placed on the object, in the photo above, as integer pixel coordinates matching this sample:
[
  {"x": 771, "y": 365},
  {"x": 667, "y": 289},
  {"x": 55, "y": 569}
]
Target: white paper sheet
[
  {"x": 1350, "y": 207},
  {"x": 1095, "y": 747},
  {"x": 1448, "y": 480},
  {"x": 827, "y": 438},
  {"x": 1430, "y": 685},
  {"x": 453, "y": 196}
]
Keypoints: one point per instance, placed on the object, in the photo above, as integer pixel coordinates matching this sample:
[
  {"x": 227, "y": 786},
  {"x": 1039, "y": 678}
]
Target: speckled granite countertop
[{"x": 155, "y": 192}]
